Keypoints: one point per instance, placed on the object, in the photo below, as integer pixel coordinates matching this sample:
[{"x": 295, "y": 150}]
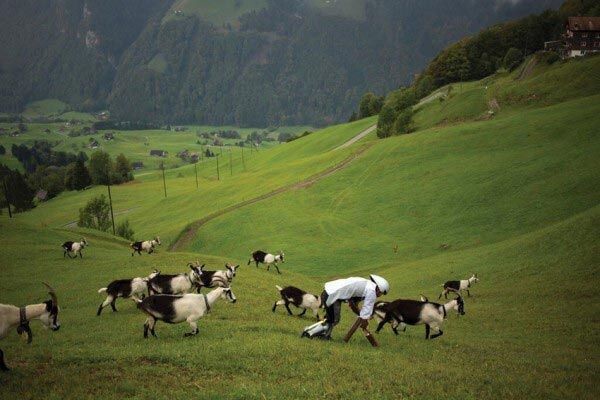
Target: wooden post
[
  {"x": 243, "y": 161},
  {"x": 196, "y": 171},
  {"x": 218, "y": 176},
  {"x": 6, "y": 197},
  {"x": 230, "y": 162},
  {"x": 162, "y": 166},
  {"x": 112, "y": 215}
]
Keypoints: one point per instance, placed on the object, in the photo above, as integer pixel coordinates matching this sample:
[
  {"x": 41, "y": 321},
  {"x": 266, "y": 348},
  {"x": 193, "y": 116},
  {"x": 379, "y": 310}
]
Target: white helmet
[{"x": 381, "y": 283}]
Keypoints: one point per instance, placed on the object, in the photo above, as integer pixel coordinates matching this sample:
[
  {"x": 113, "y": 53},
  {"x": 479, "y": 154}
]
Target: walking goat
[
  {"x": 125, "y": 288},
  {"x": 175, "y": 284},
  {"x": 74, "y": 247},
  {"x": 299, "y": 298},
  {"x": 147, "y": 245},
  {"x": 269, "y": 259},
  {"x": 458, "y": 286}
]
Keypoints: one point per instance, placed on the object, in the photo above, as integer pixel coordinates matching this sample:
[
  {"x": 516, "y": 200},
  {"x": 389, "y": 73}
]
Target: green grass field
[{"x": 515, "y": 198}]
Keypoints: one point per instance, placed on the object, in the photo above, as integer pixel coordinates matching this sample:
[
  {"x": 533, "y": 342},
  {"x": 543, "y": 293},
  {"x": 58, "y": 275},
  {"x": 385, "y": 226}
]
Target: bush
[
  {"x": 95, "y": 214},
  {"x": 551, "y": 57},
  {"x": 124, "y": 230}
]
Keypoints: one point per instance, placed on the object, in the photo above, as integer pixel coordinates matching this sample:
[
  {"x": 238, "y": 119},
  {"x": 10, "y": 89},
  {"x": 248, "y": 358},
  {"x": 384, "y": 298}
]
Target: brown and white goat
[
  {"x": 147, "y": 246},
  {"x": 458, "y": 286},
  {"x": 299, "y": 298},
  {"x": 74, "y": 247},
  {"x": 135, "y": 288},
  {"x": 19, "y": 317}
]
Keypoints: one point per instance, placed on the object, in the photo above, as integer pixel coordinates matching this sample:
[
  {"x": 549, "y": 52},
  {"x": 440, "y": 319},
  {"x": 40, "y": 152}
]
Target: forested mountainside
[{"x": 282, "y": 62}]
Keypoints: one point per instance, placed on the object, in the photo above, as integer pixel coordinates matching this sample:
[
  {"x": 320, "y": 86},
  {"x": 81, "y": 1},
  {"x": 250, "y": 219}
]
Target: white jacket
[{"x": 344, "y": 289}]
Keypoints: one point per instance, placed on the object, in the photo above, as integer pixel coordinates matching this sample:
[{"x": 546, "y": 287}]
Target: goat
[
  {"x": 146, "y": 245},
  {"x": 174, "y": 309},
  {"x": 269, "y": 259},
  {"x": 175, "y": 284},
  {"x": 125, "y": 288},
  {"x": 74, "y": 247},
  {"x": 12, "y": 316},
  {"x": 379, "y": 313},
  {"x": 299, "y": 298},
  {"x": 458, "y": 286},
  {"x": 414, "y": 312},
  {"x": 221, "y": 277}
]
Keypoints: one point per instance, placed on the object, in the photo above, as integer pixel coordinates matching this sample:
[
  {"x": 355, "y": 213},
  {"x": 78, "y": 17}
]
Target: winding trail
[
  {"x": 357, "y": 137},
  {"x": 189, "y": 232}
]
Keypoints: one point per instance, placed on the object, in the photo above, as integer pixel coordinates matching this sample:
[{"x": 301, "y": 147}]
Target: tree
[
  {"x": 77, "y": 176},
  {"x": 353, "y": 117},
  {"x": 2, "y": 150},
  {"x": 512, "y": 58},
  {"x": 123, "y": 168},
  {"x": 364, "y": 108},
  {"x": 100, "y": 168},
  {"x": 95, "y": 214},
  {"x": 20, "y": 194}
]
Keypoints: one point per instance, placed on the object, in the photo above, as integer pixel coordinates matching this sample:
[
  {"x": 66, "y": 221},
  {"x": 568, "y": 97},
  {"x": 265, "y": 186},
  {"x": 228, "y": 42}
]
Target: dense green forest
[{"x": 287, "y": 63}]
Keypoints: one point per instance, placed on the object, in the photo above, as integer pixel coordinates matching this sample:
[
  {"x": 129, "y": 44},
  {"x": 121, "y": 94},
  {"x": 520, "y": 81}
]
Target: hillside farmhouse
[
  {"x": 159, "y": 153},
  {"x": 582, "y": 36}
]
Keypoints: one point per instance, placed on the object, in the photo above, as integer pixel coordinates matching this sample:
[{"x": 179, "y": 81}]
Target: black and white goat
[
  {"x": 269, "y": 259},
  {"x": 414, "y": 312},
  {"x": 299, "y": 298},
  {"x": 74, "y": 247},
  {"x": 458, "y": 286},
  {"x": 176, "y": 284},
  {"x": 211, "y": 279},
  {"x": 19, "y": 317},
  {"x": 147, "y": 246},
  {"x": 174, "y": 309},
  {"x": 126, "y": 288}
]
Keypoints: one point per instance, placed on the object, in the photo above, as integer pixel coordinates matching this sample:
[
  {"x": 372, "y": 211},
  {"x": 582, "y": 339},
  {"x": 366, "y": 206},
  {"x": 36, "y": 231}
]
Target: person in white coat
[{"x": 352, "y": 290}]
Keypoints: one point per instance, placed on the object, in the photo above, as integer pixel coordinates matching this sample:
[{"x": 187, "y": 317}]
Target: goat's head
[
  {"x": 196, "y": 272},
  {"x": 83, "y": 242},
  {"x": 282, "y": 256},
  {"x": 152, "y": 275},
  {"x": 474, "y": 278},
  {"x": 232, "y": 268},
  {"x": 157, "y": 240},
  {"x": 50, "y": 317},
  {"x": 227, "y": 294}
]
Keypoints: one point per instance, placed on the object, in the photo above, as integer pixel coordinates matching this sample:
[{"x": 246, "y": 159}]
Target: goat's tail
[
  {"x": 102, "y": 290},
  {"x": 279, "y": 288}
]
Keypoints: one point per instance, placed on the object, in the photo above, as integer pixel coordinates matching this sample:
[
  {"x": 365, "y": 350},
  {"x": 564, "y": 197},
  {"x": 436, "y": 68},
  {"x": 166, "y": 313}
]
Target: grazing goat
[
  {"x": 175, "y": 284},
  {"x": 11, "y": 316},
  {"x": 458, "y": 286},
  {"x": 147, "y": 246},
  {"x": 260, "y": 256},
  {"x": 414, "y": 312},
  {"x": 299, "y": 298},
  {"x": 174, "y": 309},
  {"x": 74, "y": 247},
  {"x": 125, "y": 288}
]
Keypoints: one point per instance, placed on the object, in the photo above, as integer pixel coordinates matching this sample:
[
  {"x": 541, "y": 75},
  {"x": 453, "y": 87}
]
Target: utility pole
[
  {"x": 112, "y": 215},
  {"x": 243, "y": 161},
  {"x": 162, "y": 166},
  {"x": 6, "y": 196},
  {"x": 218, "y": 176},
  {"x": 196, "y": 171},
  {"x": 230, "y": 162}
]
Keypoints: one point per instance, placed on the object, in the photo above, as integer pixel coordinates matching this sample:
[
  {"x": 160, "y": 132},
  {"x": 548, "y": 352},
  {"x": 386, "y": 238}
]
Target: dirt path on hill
[
  {"x": 189, "y": 232},
  {"x": 528, "y": 68},
  {"x": 357, "y": 137}
]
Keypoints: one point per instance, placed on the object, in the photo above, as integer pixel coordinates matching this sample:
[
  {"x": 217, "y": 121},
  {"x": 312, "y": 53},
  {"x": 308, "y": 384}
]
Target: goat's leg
[
  {"x": 277, "y": 303},
  {"x": 440, "y": 332},
  {"x": 112, "y": 304},
  {"x": 287, "y": 307},
  {"x": 427, "y": 331},
  {"x": 192, "y": 321},
  {"x": 302, "y": 313},
  {"x": 384, "y": 321},
  {"x": 468, "y": 293},
  {"x": 146, "y": 327},
  {"x": 3, "y": 366},
  {"x": 277, "y": 268},
  {"x": 268, "y": 266},
  {"x": 442, "y": 293},
  {"x": 109, "y": 300},
  {"x": 152, "y": 325}
]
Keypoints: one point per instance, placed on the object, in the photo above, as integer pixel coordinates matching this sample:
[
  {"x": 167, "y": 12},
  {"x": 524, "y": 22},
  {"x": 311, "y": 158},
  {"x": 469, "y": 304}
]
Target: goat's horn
[{"x": 52, "y": 293}]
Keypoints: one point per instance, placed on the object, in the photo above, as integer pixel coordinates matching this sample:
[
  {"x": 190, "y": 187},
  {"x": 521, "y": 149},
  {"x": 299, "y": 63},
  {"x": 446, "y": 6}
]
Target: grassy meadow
[{"x": 514, "y": 198}]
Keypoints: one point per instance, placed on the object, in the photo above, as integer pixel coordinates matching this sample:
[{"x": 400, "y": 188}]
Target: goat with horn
[{"x": 19, "y": 317}]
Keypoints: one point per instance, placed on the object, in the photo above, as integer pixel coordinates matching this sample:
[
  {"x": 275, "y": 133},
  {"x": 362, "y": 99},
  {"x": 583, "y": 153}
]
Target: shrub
[
  {"x": 512, "y": 58},
  {"x": 124, "y": 230},
  {"x": 95, "y": 214}
]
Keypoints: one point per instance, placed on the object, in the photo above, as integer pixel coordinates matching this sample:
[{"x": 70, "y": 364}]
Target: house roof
[{"x": 584, "y": 23}]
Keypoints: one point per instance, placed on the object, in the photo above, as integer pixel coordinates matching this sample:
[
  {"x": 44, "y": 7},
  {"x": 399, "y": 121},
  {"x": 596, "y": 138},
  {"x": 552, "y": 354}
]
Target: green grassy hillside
[{"x": 514, "y": 198}]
